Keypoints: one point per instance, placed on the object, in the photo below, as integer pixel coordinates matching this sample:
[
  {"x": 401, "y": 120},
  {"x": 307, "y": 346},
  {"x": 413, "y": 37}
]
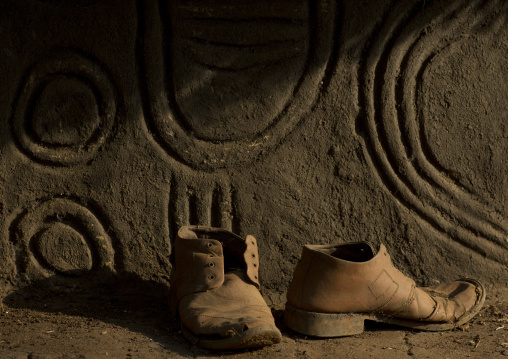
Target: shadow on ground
[
  {"x": 117, "y": 306},
  {"x": 44, "y": 322}
]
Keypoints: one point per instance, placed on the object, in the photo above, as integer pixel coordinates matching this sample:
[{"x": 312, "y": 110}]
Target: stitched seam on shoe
[
  {"x": 377, "y": 297},
  {"x": 434, "y": 293},
  {"x": 464, "y": 310},
  {"x": 434, "y": 311},
  {"x": 409, "y": 300},
  {"x": 445, "y": 307},
  {"x": 445, "y": 310}
]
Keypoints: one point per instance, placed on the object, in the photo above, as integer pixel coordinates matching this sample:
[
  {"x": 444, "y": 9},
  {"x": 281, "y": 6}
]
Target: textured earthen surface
[
  {"x": 55, "y": 325},
  {"x": 294, "y": 121}
]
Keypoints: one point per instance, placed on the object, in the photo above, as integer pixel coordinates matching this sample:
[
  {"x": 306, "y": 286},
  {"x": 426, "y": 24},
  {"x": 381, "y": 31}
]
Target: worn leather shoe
[
  {"x": 215, "y": 290},
  {"x": 335, "y": 288}
]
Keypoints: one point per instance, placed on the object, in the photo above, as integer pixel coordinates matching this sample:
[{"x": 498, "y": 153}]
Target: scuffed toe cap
[
  {"x": 454, "y": 300},
  {"x": 203, "y": 322}
]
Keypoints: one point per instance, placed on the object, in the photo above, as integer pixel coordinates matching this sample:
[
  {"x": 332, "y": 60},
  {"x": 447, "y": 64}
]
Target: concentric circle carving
[
  {"x": 63, "y": 237},
  {"x": 405, "y": 46},
  {"x": 226, "y": 82},
  {"x": 65, "y": 110}
]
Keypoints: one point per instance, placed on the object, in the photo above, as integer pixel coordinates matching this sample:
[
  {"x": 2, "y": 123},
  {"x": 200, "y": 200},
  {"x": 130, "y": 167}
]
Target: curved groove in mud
[
  {"x": 391, "y": 78},
  {"x": 164, "y": 120},
  {"x": 71, "y": 214},
  {"x": 84, "y": 70}
]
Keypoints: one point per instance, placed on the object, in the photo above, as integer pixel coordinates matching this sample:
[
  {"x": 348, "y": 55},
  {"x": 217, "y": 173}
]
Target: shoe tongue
[{"x": 233, "y": 250}]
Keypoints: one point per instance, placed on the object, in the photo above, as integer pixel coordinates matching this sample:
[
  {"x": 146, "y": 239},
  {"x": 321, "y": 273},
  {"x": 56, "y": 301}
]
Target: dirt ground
[{"x": 69, "y": 325}]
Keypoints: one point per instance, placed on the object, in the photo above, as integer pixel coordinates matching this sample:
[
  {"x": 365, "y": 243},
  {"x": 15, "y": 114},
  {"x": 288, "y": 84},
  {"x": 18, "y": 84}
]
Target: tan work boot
[
  {"x": 335, "y": 288},
  {"x": 215, "y": 290}
]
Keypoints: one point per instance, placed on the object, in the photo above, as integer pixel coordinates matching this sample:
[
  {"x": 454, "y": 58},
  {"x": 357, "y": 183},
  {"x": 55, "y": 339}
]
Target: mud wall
[{"x": 294, "y": 121}]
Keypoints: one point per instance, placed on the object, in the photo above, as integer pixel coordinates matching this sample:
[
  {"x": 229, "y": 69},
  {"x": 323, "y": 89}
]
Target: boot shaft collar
[{"x": 204, "y": 254}]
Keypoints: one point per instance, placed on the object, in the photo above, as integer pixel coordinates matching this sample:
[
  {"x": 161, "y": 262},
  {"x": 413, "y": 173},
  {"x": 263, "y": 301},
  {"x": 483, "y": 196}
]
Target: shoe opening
[{"x": 354, "y": 252}]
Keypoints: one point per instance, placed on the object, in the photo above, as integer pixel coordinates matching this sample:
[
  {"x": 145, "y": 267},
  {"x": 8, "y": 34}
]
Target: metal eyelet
[
  {"x": 212, "y": 277},
  {"x": 209, "y": 244},
  {"x": 211, "y": 264}
]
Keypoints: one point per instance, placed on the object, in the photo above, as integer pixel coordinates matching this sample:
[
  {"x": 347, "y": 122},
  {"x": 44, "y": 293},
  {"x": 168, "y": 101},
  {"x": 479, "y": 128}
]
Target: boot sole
[
  {"x": 345, "y": 324},
  {"x": 258, "y": 337}
]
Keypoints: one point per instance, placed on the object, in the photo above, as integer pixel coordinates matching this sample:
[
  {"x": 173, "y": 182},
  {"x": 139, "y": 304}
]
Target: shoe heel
[{"x": 323, "y": 324}]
